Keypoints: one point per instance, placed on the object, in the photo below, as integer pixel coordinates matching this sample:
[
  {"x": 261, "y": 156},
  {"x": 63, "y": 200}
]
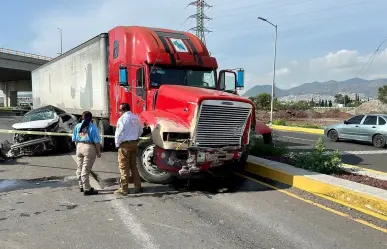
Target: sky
[{"x": 317, "y": 40}]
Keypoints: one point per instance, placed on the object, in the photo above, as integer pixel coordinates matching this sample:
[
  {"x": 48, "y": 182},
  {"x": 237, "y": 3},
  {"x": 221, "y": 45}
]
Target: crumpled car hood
[{"x": 39, "y": 124}]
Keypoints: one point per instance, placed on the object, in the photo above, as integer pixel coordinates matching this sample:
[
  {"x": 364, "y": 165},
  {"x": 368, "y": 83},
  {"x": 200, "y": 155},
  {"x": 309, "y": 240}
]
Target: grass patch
[
  {"x": 310, "y": 126},
  {"x": 279, "y": 122},
  {"x": 317, "y": 160},
  {"x": 258, "y": 148}
]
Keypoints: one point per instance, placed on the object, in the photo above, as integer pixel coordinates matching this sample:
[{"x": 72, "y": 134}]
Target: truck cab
[{"x": 193, "y": 120}]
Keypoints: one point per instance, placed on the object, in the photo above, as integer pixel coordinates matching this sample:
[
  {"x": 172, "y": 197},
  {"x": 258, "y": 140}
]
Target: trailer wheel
[
  {"x": 146, "y": 166},
  {"x": 104, "y": 129}
]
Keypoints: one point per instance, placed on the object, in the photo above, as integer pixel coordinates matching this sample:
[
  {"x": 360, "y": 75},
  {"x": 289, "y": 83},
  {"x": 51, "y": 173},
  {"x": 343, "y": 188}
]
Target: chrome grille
[{"x": 221, "y": 125}]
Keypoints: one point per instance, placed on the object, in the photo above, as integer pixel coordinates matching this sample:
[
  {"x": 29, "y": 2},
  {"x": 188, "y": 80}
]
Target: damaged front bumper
[{"x": 196, "y": 160}]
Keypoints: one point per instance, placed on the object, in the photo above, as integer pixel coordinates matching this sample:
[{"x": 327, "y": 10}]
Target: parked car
[{"x": 366, "y": 128}]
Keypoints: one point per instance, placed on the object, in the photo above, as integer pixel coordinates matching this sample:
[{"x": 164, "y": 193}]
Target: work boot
[
  {"x": 92, "y": 191},
  {"x": 120, "y": 192}
]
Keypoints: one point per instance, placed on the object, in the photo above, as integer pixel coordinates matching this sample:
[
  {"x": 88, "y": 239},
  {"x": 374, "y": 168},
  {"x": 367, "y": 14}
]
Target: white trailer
[{"x": 75, "y": 81}]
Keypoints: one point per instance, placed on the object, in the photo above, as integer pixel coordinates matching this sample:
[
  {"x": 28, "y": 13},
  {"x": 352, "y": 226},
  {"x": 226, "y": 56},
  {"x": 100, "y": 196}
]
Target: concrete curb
[
  {"x": 298, "y": 129},
  {"x": 366, "y": 199}
]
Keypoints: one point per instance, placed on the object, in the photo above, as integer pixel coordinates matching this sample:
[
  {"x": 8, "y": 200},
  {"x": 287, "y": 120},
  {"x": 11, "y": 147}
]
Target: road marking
[
  {"x": 316, "y": 204},
  {"x": 364, "y": 152},
  {"x": 130, "y": 222}
]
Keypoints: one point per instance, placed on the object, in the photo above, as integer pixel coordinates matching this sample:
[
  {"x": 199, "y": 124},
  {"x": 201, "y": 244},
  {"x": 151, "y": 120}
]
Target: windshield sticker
[{"x": 179, "y": 45}]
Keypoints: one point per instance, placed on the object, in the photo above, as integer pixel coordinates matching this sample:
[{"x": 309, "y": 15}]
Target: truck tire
[
  {"x": 145, "y": 165},
  {"x": 66, "y": 144},
  {"x": 104, "y": 129},
  {"x": 241, "y": 164}
]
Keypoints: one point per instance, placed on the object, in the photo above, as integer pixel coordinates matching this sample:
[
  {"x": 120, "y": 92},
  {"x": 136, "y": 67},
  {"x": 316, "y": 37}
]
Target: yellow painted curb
[
  {"x": 359, "y": 201},
  {"x": 298, "y": 129}
]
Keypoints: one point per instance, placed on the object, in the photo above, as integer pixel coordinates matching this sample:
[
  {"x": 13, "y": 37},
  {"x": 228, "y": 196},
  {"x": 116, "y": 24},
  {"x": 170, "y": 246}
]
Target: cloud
[{"x": 282, "y": 71}]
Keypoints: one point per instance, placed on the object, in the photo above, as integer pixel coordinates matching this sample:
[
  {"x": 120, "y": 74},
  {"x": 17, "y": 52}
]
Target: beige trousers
[
  {"x": 127, "y": 164},
  {"x": 86, "y": 155}
]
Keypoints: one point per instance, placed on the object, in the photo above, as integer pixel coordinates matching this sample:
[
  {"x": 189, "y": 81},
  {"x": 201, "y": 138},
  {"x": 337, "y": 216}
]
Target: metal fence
[{"x": 30, "y": 55}]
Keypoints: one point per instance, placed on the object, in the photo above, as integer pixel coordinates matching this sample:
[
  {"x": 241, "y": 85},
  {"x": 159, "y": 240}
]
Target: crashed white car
[{"x": 44, "y": 119}]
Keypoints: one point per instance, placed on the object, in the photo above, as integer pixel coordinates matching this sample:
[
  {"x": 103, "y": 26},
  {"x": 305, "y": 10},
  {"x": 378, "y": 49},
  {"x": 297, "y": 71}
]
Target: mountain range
[{"x": 355, "y": 85}]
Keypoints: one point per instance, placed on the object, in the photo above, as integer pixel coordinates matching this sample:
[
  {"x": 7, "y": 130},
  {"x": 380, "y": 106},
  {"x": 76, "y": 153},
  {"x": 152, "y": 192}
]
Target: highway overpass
[{"x": 15, "y": 73}]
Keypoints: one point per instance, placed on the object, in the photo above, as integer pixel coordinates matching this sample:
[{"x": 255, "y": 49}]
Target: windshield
[
  {"x": 187, "y": 77},
  {"x": 40, "y": 115}
]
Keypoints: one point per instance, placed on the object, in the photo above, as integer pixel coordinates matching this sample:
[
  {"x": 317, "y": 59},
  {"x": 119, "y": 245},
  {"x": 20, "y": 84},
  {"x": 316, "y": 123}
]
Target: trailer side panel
[{"x": 75, "y": 81}]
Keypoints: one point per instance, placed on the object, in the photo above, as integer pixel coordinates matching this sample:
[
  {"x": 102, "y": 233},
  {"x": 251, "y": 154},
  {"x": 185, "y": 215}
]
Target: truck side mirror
[
  {"x": 140, "y": 77},
  {"x": 240, "y": 78},
  {"x": 123, "y": 76},
  {"x": 227, "y": 80}
]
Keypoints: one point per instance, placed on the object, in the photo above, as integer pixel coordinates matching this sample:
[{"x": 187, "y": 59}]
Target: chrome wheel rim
[{"x": 148, "y": 163}]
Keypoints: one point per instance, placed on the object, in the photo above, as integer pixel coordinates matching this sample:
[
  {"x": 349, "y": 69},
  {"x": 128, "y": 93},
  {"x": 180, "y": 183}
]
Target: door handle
[
  {"x": 373, "y": 126},
  {"x": 356, "y": 126}
]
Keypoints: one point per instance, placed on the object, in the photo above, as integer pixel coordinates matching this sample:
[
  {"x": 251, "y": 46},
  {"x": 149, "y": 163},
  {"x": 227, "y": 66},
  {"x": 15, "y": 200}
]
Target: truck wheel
[
  {"x": 146, "y": 166},
  {"x": 241, "y": 165},
  {"x": 66, "y": 144},
  {"x": 104, "y": 129}
]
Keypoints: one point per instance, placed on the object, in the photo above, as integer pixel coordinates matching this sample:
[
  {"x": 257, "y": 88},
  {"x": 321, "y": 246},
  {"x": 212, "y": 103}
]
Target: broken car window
[{"x": 39, "y": 115}]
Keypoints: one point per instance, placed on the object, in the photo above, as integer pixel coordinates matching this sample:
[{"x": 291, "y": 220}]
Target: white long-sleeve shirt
[{"x": 128, "y": 128}]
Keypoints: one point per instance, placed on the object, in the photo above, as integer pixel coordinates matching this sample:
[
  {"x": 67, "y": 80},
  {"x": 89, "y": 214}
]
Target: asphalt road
[
  {"x": 51, "y": 213},
  {"x": 355, "y": 153}
]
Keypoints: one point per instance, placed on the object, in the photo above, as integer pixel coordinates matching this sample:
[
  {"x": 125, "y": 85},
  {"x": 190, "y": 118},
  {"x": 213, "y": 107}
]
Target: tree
[
  {"x": 347, "y": 100},
  {"x": 330, "y": 103},
  {"x": 263, "y": 101},
  {"x": 382, "y": 94},
  {"x": 326, "y": 103},
  {"x": 339, "y": 99}
]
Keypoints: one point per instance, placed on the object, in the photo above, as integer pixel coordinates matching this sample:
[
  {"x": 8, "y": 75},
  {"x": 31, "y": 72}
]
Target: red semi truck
[{"x": 193, "y": 120}]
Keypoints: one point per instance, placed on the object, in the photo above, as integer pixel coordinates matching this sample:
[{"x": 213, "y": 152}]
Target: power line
[
  {"x": 200, "y": 16},
  {"x": 302, "y": 13},
  {"x": 260, "y": 4},
  {"x": 321, "y": 10},
  {"x": 371, "y": 59},
  {"x": 226, "y": 28}
]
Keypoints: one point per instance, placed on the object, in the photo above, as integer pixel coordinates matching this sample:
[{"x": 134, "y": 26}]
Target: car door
[
  {"x": 350, "y": 127},
  {"x": 382, "y": 125},
  {"x": 368, "y": 128}
]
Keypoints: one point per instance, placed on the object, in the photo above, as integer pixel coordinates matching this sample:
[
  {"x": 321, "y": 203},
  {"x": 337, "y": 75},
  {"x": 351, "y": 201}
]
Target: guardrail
[{"x": 30, "y": 55}]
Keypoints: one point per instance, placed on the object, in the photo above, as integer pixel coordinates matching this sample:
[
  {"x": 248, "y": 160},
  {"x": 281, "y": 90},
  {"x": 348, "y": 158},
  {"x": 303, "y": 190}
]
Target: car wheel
[
  {"x": 333, "y": 135},
  {"x": 379, "y": 141}
]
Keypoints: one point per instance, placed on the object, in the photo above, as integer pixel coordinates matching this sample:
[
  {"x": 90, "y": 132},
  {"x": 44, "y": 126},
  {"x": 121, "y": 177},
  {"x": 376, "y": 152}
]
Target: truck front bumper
[{"x": 195, "y": 160}]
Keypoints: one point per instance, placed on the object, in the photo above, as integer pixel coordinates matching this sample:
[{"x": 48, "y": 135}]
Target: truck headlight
[{"x": 175, "y": 136}]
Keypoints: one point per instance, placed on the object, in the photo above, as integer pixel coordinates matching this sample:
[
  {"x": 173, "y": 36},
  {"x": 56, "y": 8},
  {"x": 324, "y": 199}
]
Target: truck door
[{"x": 138, "y": 90}]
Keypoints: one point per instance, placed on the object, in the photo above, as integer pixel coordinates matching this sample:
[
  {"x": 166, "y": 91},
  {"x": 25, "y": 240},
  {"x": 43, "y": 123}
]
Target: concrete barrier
[{"x": 364, "y": 198}]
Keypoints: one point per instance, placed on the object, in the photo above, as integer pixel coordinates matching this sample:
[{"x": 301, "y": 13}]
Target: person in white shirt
[{"x": 128, "y": 131}]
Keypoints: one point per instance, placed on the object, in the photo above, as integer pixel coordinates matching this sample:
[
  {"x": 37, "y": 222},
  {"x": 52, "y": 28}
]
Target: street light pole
[
  {"x": 61, "y": 50},
  {"x": 274, "y": 63}
]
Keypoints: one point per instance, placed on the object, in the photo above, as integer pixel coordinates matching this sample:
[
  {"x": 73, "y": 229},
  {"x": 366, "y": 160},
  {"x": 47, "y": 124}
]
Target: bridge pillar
[{"x": 11, "y": 88}]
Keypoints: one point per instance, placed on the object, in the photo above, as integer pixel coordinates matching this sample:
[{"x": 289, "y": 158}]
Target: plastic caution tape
[{"x": 49, "y": 133}]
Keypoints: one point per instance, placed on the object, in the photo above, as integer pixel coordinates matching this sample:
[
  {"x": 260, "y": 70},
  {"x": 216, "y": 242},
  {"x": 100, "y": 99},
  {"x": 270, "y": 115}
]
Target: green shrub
[
  {"x": 318, "y": 160},
  {"x": 257, "y": 147},
  {"x": 279, "y": 122}
]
